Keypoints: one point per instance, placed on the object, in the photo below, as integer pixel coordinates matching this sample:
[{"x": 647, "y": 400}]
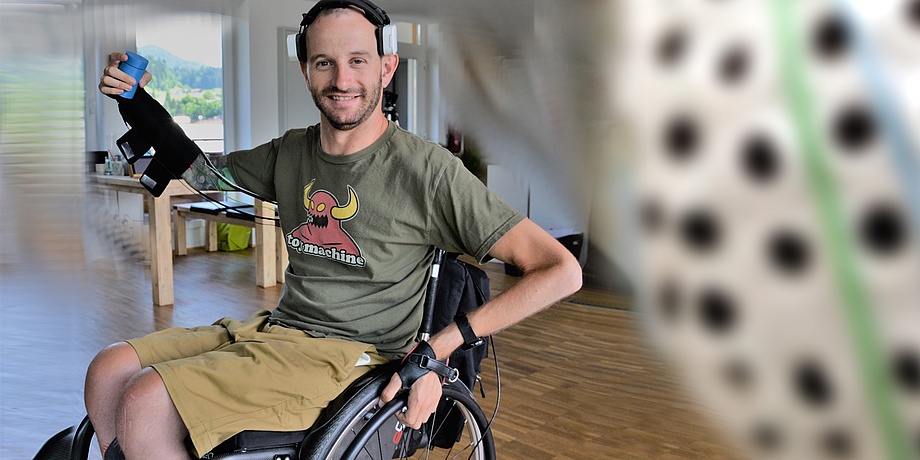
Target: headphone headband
[
  {"x": 385, "y": 32},
  {"x": 372, "y": 12}
]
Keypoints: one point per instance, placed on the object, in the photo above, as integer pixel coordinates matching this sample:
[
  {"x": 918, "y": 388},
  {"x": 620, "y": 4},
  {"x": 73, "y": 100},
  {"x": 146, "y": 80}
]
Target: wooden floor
[{"x": 578, "y": 381}]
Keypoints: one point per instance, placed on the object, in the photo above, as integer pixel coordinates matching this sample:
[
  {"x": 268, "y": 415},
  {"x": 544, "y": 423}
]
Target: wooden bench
[{"x": 271, "y": 255}]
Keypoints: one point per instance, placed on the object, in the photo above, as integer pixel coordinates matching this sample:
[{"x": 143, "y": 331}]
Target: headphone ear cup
[
  {"x": 388, "y": 40},
  {"x": 301, "y": 41}
]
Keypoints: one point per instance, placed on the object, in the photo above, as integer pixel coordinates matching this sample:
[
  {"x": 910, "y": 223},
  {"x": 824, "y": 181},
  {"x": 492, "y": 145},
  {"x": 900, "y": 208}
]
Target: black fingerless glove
[
  {"x": 152, "y": 125},
  {"x": 422, "y": 360}
]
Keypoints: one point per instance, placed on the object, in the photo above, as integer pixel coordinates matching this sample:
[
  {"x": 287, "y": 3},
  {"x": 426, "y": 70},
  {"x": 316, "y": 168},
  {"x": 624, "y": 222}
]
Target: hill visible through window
[
  {"x": 185, "y": 88},
  {"x": 185, "y": 55}
]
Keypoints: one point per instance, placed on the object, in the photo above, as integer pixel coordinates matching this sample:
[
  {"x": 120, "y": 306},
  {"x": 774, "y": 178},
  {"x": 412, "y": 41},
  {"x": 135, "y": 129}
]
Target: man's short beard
[{"x": 346, "y": 125}]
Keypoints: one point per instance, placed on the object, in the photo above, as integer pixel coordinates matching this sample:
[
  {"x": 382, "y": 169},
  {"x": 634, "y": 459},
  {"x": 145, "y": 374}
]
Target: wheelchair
[{"x": 351, "y": 427}]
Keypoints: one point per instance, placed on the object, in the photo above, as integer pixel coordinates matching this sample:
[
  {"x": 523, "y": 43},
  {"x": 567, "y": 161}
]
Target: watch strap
[{"x": 470, "y": 339}]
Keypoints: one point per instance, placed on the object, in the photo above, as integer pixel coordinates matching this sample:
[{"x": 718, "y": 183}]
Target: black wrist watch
[{"x": 470, "y": 339}]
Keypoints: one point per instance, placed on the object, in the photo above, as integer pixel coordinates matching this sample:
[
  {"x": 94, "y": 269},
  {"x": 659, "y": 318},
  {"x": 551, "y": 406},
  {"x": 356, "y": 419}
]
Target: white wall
[{"x": 263, "y": 62}]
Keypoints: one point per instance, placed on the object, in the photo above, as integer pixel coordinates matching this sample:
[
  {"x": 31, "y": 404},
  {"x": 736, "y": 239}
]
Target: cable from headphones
[
  {"x": 223, "y": 182},
  {"x": 225, "y": 208}
]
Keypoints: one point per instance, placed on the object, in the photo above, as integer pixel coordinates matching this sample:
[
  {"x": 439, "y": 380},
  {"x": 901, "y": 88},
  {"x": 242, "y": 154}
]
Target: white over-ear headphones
[{"x": 387, "y": 42}]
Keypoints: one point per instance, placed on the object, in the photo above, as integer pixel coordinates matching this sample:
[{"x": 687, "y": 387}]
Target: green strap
[{"x": 857, "y": 308}]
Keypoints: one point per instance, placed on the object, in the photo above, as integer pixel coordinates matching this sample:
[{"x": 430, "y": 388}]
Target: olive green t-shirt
[{"x": 360, "y": 228}]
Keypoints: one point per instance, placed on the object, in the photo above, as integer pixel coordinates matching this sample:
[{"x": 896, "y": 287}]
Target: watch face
[{"x": 473, "y": 344}]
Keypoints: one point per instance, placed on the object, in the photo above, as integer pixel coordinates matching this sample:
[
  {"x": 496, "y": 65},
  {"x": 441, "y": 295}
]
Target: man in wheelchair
[{"x": 361, "y": 203}]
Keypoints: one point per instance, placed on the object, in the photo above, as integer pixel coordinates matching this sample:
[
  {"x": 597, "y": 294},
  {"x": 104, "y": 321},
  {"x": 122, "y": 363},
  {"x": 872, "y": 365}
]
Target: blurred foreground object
[{"x": 777, "y": 194}]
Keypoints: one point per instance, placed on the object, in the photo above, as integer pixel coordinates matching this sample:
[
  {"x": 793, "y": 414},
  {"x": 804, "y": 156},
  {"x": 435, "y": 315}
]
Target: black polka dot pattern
[
  {"x": 912, "y": 14},
  {"x": 767, "y": 437},
  {"x": 838, "y": 443},
  {"x": 739, "y": 374},
  {"x": 682, "y": 138},
  {"x": 854, "y": 128},
  {"x": 671, "y": 47},
  {"x": 773, "y": 166},
  {"x": 718, "y": 313},
  {"x": 882, "y": 229},
  {"x": 700, "y": 231},
  {"x": 760, "y": 159},
  {"x": 831, "y": 37},
  {"x": 906, "y": 369},
  {"x": 734, "y": 65},
  {"x": 789, "y": 252},
  {"x": 812, "y": 384}
]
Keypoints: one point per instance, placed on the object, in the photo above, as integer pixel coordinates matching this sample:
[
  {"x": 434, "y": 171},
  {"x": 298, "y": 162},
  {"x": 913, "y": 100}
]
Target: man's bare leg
[
  {"x": 106, "y": 379},
  {"x": 147, "y": 423}
]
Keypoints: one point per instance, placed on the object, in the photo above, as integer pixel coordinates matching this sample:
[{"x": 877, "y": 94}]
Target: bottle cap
[{"x": 136, "y": 60}]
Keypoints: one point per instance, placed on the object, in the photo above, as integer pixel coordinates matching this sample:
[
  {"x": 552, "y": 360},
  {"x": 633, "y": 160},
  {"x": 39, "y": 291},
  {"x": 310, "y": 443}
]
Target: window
[{"x": 185, "y": 54}]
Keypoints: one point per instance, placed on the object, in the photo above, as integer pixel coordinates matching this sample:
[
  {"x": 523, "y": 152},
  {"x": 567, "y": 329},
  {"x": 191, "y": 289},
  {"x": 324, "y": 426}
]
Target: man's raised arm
[{"x": 153, "y": 126}]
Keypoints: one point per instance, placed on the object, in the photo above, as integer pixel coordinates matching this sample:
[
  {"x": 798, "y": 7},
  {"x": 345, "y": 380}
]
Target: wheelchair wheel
[
  {"x": 375, "y": 434},
  {"x": 74, "y": 443}
]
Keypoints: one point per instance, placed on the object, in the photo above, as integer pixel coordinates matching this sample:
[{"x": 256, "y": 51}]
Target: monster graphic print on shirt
[{"x": 323, "y": 234}]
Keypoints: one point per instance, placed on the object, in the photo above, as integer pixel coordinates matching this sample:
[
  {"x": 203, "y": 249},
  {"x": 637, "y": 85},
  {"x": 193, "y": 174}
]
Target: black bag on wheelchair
[{"x": 462, "y": 289}]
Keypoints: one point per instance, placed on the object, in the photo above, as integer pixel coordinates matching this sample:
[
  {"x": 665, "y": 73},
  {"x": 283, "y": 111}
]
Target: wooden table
[
  {"x": 160, "y": 223},
  {"x": 267, "y": 269}
]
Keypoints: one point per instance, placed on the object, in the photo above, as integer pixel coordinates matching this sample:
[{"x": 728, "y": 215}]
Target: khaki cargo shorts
[{"x": 249, "y": 375}]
